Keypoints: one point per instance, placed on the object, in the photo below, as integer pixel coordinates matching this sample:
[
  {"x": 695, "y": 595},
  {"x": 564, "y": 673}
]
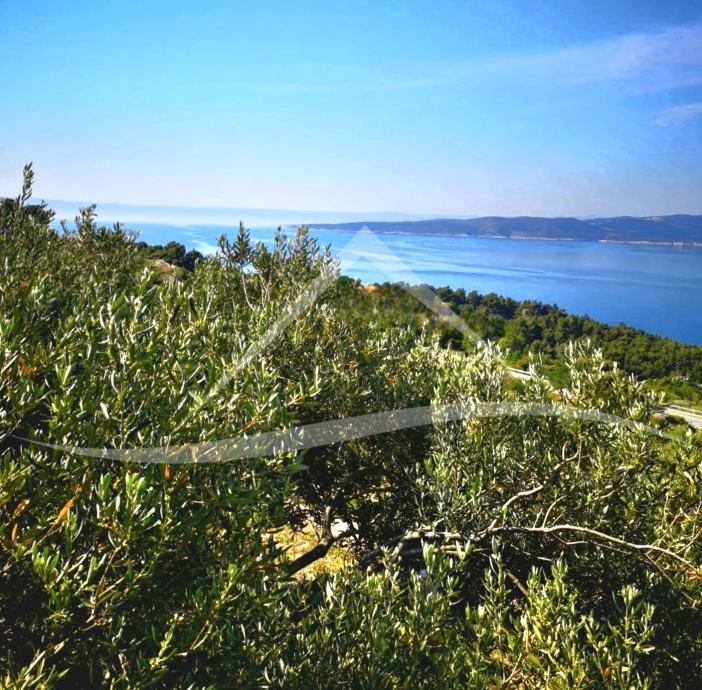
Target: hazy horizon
[
  {"x": 220, "y": 215},
  {"x": 228, "y": 215}
]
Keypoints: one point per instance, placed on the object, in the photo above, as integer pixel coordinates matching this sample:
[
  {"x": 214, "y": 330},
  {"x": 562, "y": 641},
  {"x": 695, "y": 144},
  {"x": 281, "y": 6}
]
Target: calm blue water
[{"x": 657, "y": 289}]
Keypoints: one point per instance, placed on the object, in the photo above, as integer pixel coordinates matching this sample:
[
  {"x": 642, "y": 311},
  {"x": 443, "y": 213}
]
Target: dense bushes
[
  {"x": 532, "y": 328},
  {"x": 509, "y": 551}
]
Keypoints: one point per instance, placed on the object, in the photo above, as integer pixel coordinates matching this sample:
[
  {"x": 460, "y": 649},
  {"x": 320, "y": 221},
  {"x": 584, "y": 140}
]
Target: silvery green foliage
[
  {"x": 394, "y": 630},
  {"x": 127, "y": 576}
]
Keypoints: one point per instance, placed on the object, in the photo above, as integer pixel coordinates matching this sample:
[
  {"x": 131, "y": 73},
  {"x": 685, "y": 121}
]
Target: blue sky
[{"x": 442, "y": 108}]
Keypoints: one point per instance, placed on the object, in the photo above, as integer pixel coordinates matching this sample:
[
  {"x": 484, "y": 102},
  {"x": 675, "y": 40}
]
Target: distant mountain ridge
[{"x": 674, "y": 229}]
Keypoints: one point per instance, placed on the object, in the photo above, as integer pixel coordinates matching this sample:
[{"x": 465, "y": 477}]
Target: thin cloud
[
  {"x": 654, "y": 61},
  {"x": 679, "y": 113},
  {"x": 661, "y": 60}
]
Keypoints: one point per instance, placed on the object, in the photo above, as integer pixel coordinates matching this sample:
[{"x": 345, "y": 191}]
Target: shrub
[{"x": 511, "y": 550}]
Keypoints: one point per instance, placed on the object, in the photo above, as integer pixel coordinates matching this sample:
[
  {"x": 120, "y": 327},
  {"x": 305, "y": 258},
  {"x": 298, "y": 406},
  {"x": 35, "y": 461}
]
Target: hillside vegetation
[
  {"x": 530, "y": 328},
  {"x": 494, "y": 551}
]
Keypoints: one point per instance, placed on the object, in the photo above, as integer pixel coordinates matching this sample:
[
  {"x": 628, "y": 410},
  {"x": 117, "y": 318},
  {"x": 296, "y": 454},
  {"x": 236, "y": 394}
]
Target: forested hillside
[
  {"x": 518, "y": 544},
  {"x": 531, "y": 328}
]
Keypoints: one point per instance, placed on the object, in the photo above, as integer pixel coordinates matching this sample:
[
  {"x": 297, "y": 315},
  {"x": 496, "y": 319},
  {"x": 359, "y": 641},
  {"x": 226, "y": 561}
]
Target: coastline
[{"x": 653, "y": 243}]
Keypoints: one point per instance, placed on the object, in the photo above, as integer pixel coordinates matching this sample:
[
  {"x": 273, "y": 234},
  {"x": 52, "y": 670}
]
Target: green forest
[
  {"x": 531, "y": 329},
  {"x": 535, "y": 550}
]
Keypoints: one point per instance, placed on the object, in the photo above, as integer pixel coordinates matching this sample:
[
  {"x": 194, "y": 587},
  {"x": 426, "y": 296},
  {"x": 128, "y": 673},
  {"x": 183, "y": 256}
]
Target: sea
[{"x": 654, "y": 288}]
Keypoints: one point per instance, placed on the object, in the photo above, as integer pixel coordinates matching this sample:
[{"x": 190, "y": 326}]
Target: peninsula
[{"x": 684, "y": 230}]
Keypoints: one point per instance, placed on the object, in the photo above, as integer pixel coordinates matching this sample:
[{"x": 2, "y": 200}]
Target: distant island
[{"x": 683, "y": 230}]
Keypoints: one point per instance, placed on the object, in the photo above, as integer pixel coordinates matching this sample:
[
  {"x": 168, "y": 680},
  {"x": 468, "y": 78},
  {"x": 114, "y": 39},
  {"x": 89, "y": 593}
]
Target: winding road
[{"x": 689, "y": 415}]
